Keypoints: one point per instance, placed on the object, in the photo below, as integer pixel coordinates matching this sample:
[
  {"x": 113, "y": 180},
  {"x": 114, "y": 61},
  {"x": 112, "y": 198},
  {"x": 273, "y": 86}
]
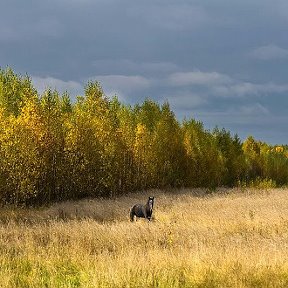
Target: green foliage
[
  {"x": 14, "y": 91},
  {"x": 52, "y": 149},
  {"x": 204, "y": 161},
  {"x": 258, "y": 183},
  {"x": 233, "y": 156}
]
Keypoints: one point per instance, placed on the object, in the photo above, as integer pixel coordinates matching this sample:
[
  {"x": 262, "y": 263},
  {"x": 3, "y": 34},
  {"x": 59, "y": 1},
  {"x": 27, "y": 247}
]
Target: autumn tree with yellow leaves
[{"x": 53, "y": 148}]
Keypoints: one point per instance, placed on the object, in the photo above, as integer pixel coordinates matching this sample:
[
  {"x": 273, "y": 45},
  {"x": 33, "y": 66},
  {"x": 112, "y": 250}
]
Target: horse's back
[{"x": 138, "y": 210}]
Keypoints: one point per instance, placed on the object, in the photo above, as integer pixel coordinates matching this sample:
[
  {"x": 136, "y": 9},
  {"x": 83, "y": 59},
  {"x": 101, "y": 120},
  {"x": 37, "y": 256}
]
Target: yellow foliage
[
  {"x": 99, "y": 147},
  {"x": 31, "y": 120},
  {"x": 279, "y": 149},
  {"x": 140, "y": 139}
]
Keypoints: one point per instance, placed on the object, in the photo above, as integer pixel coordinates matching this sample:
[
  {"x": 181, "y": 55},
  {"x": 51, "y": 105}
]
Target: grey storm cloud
[
  {"x": 223, "y": 62},
  {"x": 270, "y": 52}
]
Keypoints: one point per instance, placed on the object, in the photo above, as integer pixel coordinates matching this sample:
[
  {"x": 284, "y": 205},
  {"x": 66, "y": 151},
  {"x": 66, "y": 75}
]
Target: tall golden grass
[{"x": 231, "y": 238}]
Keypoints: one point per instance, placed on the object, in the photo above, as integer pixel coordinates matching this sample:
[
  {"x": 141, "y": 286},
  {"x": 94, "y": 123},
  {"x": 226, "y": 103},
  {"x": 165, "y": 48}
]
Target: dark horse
[{"x": 143, "y": 211}]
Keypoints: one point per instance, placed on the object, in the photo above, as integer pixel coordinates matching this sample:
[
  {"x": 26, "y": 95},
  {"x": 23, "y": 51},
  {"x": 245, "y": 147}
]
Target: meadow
[{"x": 228, "y": 238}]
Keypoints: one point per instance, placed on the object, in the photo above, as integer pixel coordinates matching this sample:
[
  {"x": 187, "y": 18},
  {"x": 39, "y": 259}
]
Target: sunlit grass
[{"x": 227, "y": 239}]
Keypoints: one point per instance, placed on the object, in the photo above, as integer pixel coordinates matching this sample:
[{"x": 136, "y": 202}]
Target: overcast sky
[{"x": 224, "y": 62}]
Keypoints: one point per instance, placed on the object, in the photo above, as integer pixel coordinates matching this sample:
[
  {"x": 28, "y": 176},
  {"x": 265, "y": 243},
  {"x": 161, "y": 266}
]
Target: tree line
[{"x": 53, "y": 148}]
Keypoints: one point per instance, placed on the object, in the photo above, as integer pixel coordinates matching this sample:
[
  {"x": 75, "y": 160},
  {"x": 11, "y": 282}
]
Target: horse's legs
[{"x": 132, "y": 214}]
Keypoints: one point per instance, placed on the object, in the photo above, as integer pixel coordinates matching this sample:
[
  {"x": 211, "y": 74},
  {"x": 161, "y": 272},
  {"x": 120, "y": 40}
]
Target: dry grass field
[{"x": 230, "y": 238}]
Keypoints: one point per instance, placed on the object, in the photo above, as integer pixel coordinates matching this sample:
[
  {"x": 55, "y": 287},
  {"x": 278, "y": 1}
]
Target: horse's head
[{"x": 150, "y": 202}]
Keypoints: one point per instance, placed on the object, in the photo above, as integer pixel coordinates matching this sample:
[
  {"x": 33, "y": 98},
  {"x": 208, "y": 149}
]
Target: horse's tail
[{"x": 132, "y": 214}]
